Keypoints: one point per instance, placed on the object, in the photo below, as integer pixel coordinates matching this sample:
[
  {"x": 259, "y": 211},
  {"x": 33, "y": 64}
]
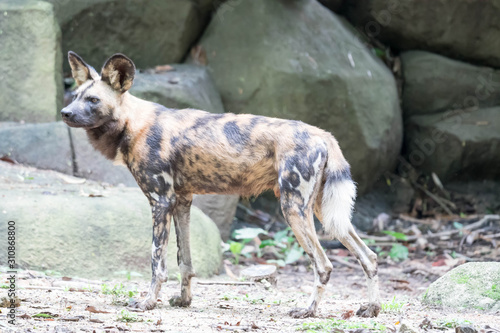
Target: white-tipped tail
[
  {"x": 339, "y": 193},
  {"x": 336, "y": 206}
]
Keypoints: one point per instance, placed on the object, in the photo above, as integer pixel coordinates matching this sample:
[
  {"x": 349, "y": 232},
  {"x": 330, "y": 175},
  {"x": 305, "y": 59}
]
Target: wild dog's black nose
[{"x": 66, "y": 113}]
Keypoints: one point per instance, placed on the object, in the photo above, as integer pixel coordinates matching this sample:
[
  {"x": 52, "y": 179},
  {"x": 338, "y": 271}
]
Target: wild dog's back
[{"x": 222, "y": 153}]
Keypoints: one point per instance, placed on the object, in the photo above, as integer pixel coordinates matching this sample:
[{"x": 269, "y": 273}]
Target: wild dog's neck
[{"x": 109, "y": 138}]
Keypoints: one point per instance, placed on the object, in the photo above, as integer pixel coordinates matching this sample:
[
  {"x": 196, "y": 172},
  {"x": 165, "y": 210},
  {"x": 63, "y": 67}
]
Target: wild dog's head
[{"x": 98, "y": 96}]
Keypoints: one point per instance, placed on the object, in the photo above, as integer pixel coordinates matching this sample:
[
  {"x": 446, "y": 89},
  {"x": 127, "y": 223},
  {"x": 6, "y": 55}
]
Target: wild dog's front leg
[
  {"x": 181, "y": 221},
  {"x": 162, "y": 215}
]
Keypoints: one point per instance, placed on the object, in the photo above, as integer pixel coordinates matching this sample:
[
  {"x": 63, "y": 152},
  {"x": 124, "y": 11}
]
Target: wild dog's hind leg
[
  {"x": 181, "y": 221},
  {"x": 162, "y": 208},
  {"x": 298, "y": 191},
  {"x": 368, "y": 261}
]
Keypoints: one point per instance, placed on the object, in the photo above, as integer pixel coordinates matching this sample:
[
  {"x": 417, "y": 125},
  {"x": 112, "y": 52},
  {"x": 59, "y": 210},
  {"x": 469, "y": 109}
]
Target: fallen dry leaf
[
  {"x": 347, "y": 314},
  {"x": 7, "y": 159},
  {"x": 94, "y": 310},
  {"x": 163, "y": 68}
]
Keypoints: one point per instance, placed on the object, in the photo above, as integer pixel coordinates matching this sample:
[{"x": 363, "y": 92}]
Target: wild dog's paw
[
  {"x": 301, "y": 313},
  {"x": 369, "y": 310},
  {"x": 179, "y": 302},
  {"x": 146, "y": 304}
]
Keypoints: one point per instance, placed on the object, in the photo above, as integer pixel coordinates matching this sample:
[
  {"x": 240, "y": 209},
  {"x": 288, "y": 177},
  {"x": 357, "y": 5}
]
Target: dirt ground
[{"x": 73, "y": 303}]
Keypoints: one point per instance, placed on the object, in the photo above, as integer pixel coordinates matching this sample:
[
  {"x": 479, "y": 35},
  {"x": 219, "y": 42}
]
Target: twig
[
  {"x": 230, "y": 283},
  {"x": 485, "y": 219},
  {"x": 491, "y": 236},
  {"x": 386, "y": 238},
  {"x": 341, "y": 260},
  {"x": 469, "y": 227},
  {"x": 438, "y": 200},
  {"x": 415, "y": 220},
  {"x": 43, "y": 288}
]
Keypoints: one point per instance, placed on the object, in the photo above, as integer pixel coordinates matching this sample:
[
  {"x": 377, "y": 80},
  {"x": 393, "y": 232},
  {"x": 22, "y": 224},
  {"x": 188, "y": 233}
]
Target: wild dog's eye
[{"x": 94, "y": 100}]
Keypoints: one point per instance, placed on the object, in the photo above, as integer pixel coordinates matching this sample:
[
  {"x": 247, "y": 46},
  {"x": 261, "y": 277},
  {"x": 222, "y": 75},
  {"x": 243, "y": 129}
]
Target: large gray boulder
[
  {"x": 462, "y": 29},
  {"x": 150, "y": 32},
  {"x": 67, "y": 230},
  {"x": 433, "y": 83},
  {"x": 185, "y": 86},
  {"x": 220, "y": 208},
  {"x": 469, "y": 286},
  {"x": 65, "y": 10},
  {"x": 31, "y": 85},
  {"x": 298, "y": 60},
  {"x": 456, "y": 145},
  {"x": 45, "y": 146}
]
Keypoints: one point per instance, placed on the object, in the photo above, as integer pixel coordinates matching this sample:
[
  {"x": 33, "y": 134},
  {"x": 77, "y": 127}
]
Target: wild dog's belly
[{"x": 226, "y": 174}]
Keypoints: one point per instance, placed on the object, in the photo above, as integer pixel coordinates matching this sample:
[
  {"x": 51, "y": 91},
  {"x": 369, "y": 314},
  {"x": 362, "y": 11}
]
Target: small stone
[
  {"x": 406, "y": 328},
  {"x": 266, "y": 284},
  {"x": 465, "y": 329},
  {"x": 5, "y": 302}
]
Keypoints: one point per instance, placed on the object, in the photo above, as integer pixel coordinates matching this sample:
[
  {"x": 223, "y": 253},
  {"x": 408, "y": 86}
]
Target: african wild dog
[{"x": 174, "y": 154}]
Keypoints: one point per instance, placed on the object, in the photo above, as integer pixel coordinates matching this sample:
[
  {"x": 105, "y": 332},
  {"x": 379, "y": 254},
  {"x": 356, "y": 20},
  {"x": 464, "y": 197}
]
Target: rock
[
  {"x": 433, "y": 83},
  {"x": 260, "y": 272},
  {"x": 65, "y": 10},
  {"x": 45, "y": 146},
  {"x": 31, "y": 87},
  {"x": 406, "y": 328},
  {"x": 220, "y": 208},
  {"x": 92, "y": 237},
  {"x": 91, "y": 164},
  {"x": 460, "y": 29},
  {"x": 456, "y": 145},
  {"x": 186, "y": 86},
  {"x": 470, "y": 286},
  {"x": 465, "y": 329},
  {"x": 150, "y": 32},
  {"x": 333, "y": 5},
  {"x": 322, "y": 75},
  {"x": 5, "y": 302}
]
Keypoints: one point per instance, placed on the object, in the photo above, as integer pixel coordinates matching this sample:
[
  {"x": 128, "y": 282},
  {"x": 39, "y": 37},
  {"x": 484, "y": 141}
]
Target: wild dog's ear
[
  {"x": 118, "y": 72},
  {"x": 79, "y": 69}
]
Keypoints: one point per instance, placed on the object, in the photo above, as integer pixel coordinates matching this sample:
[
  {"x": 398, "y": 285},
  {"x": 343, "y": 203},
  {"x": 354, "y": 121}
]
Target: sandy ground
[{"x": 222, "y": 307}]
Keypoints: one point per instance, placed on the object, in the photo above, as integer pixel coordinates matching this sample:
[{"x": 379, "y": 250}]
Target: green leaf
[
  {"x": 280, "y": 235},
  {"x": 368, "y": 241},
  {"x": 43, "y": 315},
  {"x": 458, "y": 225},
  {"x": 398, "y": 252},
  {"x": 267, "y": 242},
  {"x": 294, "y": 254},
  {"x": 379, "y": 52},
  {"x": 248, "y": 233},
  {"x": 279, "y": 262},
  {"x": 396, "y": 235},
  {"x": 236, "y": 247}
]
